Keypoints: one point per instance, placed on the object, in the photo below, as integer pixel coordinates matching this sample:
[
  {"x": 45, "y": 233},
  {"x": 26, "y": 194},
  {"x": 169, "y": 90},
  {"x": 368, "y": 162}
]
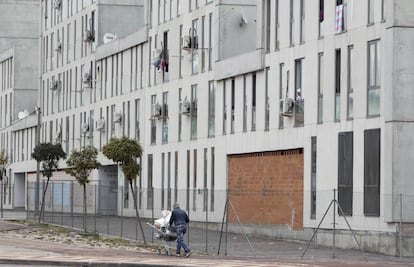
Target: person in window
[{"x": 180, "y": 219}]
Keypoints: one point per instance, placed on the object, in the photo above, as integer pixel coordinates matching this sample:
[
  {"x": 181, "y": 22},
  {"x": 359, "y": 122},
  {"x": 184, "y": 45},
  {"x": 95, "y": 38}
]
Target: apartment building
[
  {"x": 19, "y": 57},
  {"x": 278, "y": 106}
]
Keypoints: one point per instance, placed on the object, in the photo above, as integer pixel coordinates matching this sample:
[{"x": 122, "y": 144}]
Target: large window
[
  {"x": 370, "y": 12},
  {"x": 302, "y": 22},
  {"x": 211, "y": 109},
  {"x": 267, "y": 104},
  {"x": 164, "y": 117},
  {"x": 150, "y": 191},
  {"x": 373, "y": 78},
  {"x": 340, "y": 16},
  {"x": 267, "y": 25},
  {"x": 345, "y": 171},
  {"x": 233, "y": 103},
  {"x": 313, "y": 176},
  {"x": 193, "y": 111},
  {"x": 224, "y": 108},
  {"x": 153, "y": 121},
  {"x": 321, "y": 17},
  {"x": 337, "y": 84},
  {"x": 281, "y": 94},
  {"x": 350, "y": 78},
  {"x": 320, "y": 87},
  {"x": 299, "y": 100},
  {"x": 277, "y": 25},
  {"x": 194, "y": 46},
  {"x": 372, "y": 159},
  {"x": 254, "y": 102}
]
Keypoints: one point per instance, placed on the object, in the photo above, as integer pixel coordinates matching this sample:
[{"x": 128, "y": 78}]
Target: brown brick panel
[{"x": 267, "y": 187}]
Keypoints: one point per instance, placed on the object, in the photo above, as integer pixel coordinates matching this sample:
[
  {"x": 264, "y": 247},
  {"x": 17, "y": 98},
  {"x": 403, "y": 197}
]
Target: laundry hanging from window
[{"x": 339, "y": 16}]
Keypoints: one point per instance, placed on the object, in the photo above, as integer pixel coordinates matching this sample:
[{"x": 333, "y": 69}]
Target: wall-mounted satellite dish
[
  {"x": 22, "y": 114},
  {"x": 108, "y": 37}
]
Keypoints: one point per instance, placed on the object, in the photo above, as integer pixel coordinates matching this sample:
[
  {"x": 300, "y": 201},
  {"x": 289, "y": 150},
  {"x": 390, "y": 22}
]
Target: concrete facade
[{"x": 196, "y": 82}]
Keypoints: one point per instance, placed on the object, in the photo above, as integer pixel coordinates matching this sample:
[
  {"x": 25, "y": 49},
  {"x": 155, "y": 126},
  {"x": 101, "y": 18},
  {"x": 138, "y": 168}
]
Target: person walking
[{"x": 180, "y": 219}]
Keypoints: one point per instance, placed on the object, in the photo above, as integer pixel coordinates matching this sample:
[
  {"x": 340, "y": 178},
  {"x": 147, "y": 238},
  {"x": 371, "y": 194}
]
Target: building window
[
  {"x": 321, "y": 17},
  {"x": 176, "y": 176},
  {"x": 211, "y": 109},
  {"x": 194, "y": 45},
  {"x": 193, "y": 111},
  {"x": 169, "y": 180},
  {"x": 370, "y": 12},
  {"x": 320, "y": 87},
  {"x": 164, "y": 111},
  {"x": 382, "y": 10},
  {"x": 180, "y": 116},
  {"x": 254, "y": 102},
  {"x": 267, "y": 103},
  {"x": 194, "y": 179},
  {"x": 150, "y": 190},
  {"x": 224, "y": 108},
  {"x": 188, "y": 180},
  {"x": 313, "y": 176},
  {"x": 162, "y": 180},
  {"x": 373, "y": 78},
  {"x": 212, "y": 182},
  {"x": 340, "y": 16},
  {"x": 350, "y": 78},
  {"x": 299, "y": 99},
  {"x": 302, "y": 22},
  {"x": 291, "y": 21},
  {"x": 153, "y": 121},
  {"x": 372, "y": 165},
  {"x": 337, "y": 84},
  {"x": 244, "y": 104},
  {"x": 180, "y": 60},
  {"x": 281, "y": 95},
  {"x": 137, "y": 125},
  {"x": 345, "y": 171},
  {"x": 267, "y": 25},
  {"x": 205, "y": 193},
  {"x": 277, "y": 24},
  {"x": 210, "y": 40},
  {"x": 203, "y": 22},
  {"x": 233, "y": 103}
]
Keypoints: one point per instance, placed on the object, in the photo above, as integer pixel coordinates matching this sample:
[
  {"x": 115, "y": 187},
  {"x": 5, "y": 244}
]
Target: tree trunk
[
  {"x": 43, "y": 200},
  {"x": 136, "y": 211},
  {"x": 84, "y": 207}
]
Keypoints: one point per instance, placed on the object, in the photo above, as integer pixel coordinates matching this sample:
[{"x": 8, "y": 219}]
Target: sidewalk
[{"x": 41, "y": 253}]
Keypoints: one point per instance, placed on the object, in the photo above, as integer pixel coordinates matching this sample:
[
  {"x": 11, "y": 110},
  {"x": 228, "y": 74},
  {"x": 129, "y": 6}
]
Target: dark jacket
[{"x": 179, "y": 217}]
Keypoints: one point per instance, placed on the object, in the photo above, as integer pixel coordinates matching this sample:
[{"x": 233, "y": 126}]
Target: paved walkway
[{"x": 14, "y": 251}]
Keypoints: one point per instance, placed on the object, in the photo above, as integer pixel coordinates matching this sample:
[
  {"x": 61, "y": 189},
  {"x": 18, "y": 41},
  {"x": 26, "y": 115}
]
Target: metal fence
[{"x": 220, "y": 221}]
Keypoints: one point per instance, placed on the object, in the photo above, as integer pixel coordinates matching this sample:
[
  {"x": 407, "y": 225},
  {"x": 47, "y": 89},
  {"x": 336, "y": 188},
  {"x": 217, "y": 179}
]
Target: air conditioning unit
[
  {"x": 100, "y": 125},
  {"x": 57, "y": 4},
  {"x": 55, "y": 85},
  {"x": 85, "y": 128},
  {"x": 58, "y": 47},
  {"x": 118, "y": 117},
  {"x": 186, "y": 107},
  {"x": 288, "y": 104},
  {"x": 190, "y": 42},
  {"x": 156, "y": 111},
  {"x": 88, "y": 36}
]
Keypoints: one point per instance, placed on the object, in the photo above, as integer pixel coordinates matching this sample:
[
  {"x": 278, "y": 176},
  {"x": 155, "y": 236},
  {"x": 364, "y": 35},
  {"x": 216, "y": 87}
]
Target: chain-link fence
[{"x": 338, "y": 219}]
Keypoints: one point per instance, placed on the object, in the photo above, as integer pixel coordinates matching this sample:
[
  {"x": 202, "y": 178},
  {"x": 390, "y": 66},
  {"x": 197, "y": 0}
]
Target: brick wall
[{"x": 267, "y": 188}]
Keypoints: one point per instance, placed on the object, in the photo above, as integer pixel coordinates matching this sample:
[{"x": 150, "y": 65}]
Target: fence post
[
  {"x": 401, "y": 256},
  {"x": 95, "y": 204},
  {"x": 62, "y": 206},
  {"x": 71, "y": 202},
  {"x": 122, "y": 210}
]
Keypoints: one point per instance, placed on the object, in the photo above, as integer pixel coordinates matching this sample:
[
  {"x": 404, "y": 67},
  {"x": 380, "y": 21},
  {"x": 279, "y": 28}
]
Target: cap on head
[{"x": 176, "y": 205}]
